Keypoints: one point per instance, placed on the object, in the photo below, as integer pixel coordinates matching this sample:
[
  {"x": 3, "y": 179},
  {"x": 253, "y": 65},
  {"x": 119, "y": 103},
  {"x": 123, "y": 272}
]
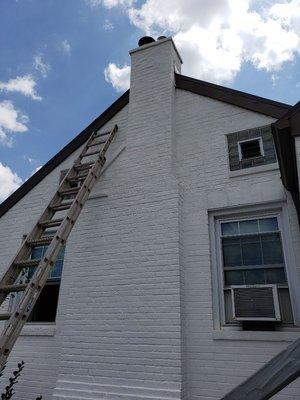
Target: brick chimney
[{"x": 151, "y": 105}]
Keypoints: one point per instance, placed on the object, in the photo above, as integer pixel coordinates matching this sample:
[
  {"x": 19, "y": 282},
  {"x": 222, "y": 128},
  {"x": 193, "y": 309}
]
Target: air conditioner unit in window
[{"x": 255, "y": 303}]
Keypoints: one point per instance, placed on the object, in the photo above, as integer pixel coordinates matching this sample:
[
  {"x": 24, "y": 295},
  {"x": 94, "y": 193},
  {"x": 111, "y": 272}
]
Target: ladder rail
[
  {"x": 10, "y": 275},
  {"x": 32, "y": 290}
]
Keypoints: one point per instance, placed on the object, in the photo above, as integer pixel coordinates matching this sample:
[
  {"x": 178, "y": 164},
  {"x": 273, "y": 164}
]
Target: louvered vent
[{"x": 255, "y": 303}]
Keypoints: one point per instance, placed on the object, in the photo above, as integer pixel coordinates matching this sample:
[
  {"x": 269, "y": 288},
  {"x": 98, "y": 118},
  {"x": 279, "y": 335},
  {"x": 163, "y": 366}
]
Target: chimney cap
[{"x": 145, "y": 40}]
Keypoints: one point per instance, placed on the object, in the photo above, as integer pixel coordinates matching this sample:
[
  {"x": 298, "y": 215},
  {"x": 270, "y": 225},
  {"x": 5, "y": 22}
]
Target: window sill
[
  {"x": 278, "y": 336},
  {"x": 253, "y": 170},
  {"x": 38, "y": 329}
]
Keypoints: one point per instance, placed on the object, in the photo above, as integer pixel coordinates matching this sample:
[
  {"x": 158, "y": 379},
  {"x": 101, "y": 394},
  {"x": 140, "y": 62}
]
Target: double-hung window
[{"x": 251, "y": 253}]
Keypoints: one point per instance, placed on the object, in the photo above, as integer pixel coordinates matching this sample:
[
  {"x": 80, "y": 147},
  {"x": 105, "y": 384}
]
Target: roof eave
[
  {"x": 80, "y": 139},
  {"x": 235, "y": 97}
]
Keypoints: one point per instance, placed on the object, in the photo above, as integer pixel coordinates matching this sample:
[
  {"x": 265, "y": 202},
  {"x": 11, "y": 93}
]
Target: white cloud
[
  {"x": 156, "y": 16},
  {"x": 41, "y": 66},
  {"x": 274, "y": 79},
  {"x": 22, "y": 84},
  {"x": 108, "y": 25},
  {"x": 217, "y": 37},
  {"x": 11, "y": 121},
  {"x": 31, "y": 160},
  {"x": 66, "y": 47},
  {"x": 9, "y": 181},
  {"x": 119, "y": 77}
]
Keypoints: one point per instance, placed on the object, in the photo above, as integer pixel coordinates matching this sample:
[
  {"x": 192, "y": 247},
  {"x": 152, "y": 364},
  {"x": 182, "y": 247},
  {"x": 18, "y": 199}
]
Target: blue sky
[{"x": 53, "y": 56}]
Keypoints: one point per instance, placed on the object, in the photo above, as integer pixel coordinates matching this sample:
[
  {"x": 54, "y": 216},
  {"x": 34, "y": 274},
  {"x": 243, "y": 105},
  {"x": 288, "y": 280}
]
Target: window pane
[
  {"x": 61, "y": 254},
  {"x": 268, "y": 224},
  {"x": 232, "y": 255},
  {"x": 234, "y": 278},
  {"x": 228, "y": 306},
  {"x": 275, "y": 275},
  {"x": 57, "y": 269},
  {"x": 285, "y": 306},
  {"x": 272, "y": 250},
  {"x": 254, "y": 276},
  {"x": 37, "y": 253},
  {"x": 230, "y": 228},
  {"x": 252, "y": 254},
  {"x": 249, "y": 226}
]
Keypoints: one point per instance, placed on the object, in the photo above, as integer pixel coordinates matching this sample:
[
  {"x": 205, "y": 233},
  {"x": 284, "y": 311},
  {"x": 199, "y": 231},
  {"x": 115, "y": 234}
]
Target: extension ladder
[{"x": 77, "y": 185}]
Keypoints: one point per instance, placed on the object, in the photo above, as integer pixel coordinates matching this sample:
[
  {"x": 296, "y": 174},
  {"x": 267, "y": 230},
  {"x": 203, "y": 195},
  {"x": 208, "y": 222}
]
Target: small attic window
[{"x": 250, "y": 149}]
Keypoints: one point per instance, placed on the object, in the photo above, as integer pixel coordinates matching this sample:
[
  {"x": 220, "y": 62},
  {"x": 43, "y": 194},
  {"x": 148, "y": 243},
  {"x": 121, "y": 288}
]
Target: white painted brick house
[{"x": 193, "y": 202}]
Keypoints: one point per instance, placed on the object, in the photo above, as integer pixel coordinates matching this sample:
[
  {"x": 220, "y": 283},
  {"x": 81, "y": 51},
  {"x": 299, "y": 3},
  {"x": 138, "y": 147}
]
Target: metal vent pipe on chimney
[{"x": 145, "y": 40}]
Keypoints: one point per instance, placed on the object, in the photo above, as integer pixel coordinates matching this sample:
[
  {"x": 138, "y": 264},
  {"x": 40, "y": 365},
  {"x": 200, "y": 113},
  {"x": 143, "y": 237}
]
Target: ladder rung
[
  {"x": 76, "y": 179},
  {"x": 101, "y": 134},
  {"x": 41, "y": 241},
  {"x": 27, "y": 263},
  {"x": 19, "y": 287},
  {"x": 66, "y": 192},
  {"x": 61, "y": 207},
  {"x": 50, "y": 223},
  {"x": 91, "y": 153},
  {"x": 82, "y": 167},
  {"x": 4, "y": 316},
  {"x": 97, "y": 143}
]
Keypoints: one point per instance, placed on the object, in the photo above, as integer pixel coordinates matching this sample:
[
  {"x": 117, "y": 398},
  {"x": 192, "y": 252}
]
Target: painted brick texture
[{"x": 214, "y": 367}]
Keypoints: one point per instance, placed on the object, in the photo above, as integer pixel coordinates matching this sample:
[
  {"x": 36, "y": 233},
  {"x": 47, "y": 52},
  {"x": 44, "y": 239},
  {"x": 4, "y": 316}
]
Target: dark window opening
[
  {"x": 258, "y": 325},
  {"x": 250, "y": 149},
  {"x": 46, "y": 305}
]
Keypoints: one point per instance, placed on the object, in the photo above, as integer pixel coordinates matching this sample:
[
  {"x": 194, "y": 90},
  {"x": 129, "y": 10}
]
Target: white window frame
[
  {"x": 262, "y": 152},
  {"x": 278, "y": 210}
]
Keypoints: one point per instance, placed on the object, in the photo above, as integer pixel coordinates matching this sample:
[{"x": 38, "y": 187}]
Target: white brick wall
[
  {"x": 135, "y": 315},
  {"x": 214, "y": 367}
]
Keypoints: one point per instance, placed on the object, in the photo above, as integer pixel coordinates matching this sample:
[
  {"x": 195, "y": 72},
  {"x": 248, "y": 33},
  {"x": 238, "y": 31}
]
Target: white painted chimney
[{"x": 151, "y": 105}]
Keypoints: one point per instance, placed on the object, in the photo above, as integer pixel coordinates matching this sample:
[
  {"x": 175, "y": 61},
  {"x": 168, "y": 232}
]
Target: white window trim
[
  {"x": 259, "y": 138},
  {"x": 253, "y": 170},
  {"x": 250, "y": 212},
  {"x": 39, "y": 329}
]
